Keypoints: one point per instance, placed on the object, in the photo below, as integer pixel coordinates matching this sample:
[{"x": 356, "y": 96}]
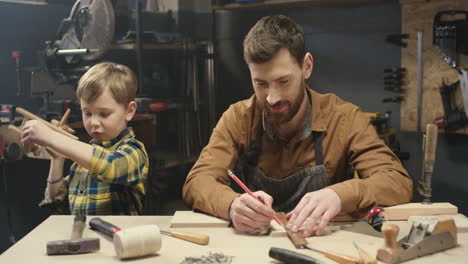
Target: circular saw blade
[{"x": 98, "y": 31}]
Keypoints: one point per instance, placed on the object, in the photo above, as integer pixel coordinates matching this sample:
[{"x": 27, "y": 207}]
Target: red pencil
[{"x": 247, "y": 190}]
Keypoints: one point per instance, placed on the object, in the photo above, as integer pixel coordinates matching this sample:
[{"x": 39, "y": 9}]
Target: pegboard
[{"x": 419, "y": 16}]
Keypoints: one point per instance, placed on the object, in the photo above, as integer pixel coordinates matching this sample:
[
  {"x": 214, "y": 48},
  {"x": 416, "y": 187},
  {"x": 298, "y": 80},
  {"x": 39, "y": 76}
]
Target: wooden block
[
  {"x": 193, "y": 219},
  {"x": 404, "y": 211},
  {"x": 279, "y": 230}
]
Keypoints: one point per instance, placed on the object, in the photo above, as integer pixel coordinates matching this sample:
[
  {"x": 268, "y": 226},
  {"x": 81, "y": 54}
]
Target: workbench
[{"x": 244, "y": 248}]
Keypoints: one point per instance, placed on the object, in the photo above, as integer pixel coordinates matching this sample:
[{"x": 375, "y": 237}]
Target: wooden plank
[
  {"x": 193, "y": 219},
  {"x": 417, "y": 15},
  {"x": 404, "y": 211}
]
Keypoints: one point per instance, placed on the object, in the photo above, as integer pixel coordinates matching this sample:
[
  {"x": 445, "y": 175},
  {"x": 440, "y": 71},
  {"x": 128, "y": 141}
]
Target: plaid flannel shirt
[{"x": 114, "y": 184}]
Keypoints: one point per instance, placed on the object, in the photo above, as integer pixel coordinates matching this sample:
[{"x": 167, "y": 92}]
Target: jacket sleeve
[
  {"x": 383, "y": 180},
  {"x": 207, "y": 185}
]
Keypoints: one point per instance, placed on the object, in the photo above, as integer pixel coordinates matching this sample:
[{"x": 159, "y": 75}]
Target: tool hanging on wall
[
  {"x": 450, "y": 35},
  {"x": 394, "y": 79},
  {"x": 453, "y": 118},
  {"x": 397, "y": 39}
]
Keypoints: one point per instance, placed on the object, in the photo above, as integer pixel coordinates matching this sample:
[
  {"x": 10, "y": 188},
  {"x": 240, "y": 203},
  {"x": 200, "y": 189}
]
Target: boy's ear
[{"x": 131, "y": 110}]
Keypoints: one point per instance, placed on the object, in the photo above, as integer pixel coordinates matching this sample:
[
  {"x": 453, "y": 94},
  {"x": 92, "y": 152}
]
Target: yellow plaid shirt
[{"x": 114, "y": 184}]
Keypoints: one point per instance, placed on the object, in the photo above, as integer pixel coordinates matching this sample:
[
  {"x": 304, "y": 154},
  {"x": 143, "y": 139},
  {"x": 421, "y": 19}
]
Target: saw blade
[{"x": 98, "y": 27}]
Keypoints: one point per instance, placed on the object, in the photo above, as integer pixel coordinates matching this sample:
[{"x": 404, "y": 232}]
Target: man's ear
[
  {"x": 307, "y": 65},
  {"x": 131, "y": 110}
]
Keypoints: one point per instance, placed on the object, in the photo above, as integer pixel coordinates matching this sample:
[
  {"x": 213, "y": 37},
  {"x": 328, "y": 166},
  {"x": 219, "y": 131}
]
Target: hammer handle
[
  {"x": 103, "y": 226},
  {"x": 78, "y": 226}
]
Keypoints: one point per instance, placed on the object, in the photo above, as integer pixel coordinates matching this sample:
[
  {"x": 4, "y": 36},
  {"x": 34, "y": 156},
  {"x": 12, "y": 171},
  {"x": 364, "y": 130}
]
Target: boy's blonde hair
[{"x": 119, "y": 79}]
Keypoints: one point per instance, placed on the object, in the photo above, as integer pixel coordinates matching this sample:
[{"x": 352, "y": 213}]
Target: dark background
[{"x": 349, "y": 54}]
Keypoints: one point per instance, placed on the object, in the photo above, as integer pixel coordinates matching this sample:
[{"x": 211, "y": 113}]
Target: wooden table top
[{"x": 244, "y": 248}]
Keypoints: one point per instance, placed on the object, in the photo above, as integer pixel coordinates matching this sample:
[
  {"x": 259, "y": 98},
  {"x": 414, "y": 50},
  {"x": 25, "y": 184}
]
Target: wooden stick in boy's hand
[
  {"x": 247, "y": 190},
  {"x": 30, "y": 115}
]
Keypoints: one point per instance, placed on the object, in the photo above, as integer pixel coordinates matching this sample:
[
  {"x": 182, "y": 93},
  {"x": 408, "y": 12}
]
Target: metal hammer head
[{"x": 76, "y": 246}]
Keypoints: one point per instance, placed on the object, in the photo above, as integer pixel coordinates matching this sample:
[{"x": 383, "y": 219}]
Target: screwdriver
[
  {"x": 366, "y": 258},
  {"x": 192, "y": 237},
  {"x": 338, "y": 257}
]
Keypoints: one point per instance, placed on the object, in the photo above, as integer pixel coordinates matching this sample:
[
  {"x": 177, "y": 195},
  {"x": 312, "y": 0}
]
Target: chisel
[
  {"x": 366, "y": 258},
  {"x": 191, "y": 237}
]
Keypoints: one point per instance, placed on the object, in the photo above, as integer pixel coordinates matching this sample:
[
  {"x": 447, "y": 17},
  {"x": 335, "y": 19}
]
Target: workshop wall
[
  {"x": 24, "y": 28},
  {"x": 350, "y": 54}
]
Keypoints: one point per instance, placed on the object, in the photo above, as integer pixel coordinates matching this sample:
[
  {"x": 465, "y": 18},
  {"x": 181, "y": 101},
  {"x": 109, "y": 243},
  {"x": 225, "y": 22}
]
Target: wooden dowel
[
  {"x": 64, "y": 118},
  {"x": 53, "y": 127}
]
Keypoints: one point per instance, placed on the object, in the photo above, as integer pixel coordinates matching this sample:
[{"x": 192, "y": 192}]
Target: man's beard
[{"x": 277, "y": 119}]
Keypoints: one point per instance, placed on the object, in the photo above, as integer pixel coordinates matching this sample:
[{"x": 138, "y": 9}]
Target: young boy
[{"x": 108, "y": 175}]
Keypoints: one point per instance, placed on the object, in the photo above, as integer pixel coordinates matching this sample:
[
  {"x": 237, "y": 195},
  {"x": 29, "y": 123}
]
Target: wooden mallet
[
  {"x": 77, "y": 244},
  {"x": 131, "y": 242}
]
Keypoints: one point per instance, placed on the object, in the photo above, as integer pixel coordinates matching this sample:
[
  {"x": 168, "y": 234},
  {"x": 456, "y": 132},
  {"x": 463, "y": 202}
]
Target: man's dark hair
[{"x": 269, "y": 35}]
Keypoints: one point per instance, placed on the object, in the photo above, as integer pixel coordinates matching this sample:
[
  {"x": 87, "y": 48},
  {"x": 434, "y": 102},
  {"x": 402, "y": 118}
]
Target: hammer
[
  {"x": 130, "y": 242},
  {"x": 76, "y": 245}
]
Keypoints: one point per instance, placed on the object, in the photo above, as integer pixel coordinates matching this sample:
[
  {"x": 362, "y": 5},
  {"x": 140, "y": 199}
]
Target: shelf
[
  {"x": 279, "y": 3},
  {"x": 131, "y": 46}
]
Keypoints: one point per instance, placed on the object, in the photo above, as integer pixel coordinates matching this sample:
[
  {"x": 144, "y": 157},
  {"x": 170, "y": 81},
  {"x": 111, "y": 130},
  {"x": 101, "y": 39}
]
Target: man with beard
[{"x": 293, "y": 146}]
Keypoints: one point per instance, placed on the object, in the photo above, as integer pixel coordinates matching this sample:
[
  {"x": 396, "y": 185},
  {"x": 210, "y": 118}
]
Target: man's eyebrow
[
  {"x": 282, "y": 77},
  {"x": 277, "y": 79}
]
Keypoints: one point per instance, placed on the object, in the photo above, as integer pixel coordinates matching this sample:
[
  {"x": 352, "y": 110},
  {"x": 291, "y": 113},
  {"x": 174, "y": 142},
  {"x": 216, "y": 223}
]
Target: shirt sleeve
[
  {"x": 207, "y": 185},
  {"x": 383, "y": 180},
  {"x": 59, "y": 204},
  {"x": 126, "y": 165}
]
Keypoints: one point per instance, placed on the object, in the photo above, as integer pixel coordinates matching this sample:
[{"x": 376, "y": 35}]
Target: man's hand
[
  {"x": 320, "y": 205},
  {"x": 36, "y": 132},
  {"x": 247, "y": 214}
]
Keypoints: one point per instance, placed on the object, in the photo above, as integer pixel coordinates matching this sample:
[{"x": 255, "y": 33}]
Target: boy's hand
[{"x": 36, "y": 132}]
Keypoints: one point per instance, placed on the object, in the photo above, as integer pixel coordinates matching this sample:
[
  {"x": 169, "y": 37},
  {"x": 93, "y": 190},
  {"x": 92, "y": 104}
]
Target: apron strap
[
  {"x": 318, "y": 142},
  {"x": 250, "y": 156}
]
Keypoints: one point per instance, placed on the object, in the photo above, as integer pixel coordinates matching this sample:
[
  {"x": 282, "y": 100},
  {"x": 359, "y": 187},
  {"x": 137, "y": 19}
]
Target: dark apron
[{"x": 288, "y": 191}]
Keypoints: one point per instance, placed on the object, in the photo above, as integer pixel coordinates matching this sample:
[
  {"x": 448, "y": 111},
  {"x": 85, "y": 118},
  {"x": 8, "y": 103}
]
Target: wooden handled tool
[
  {"x": 430, "y": 144},
  {"x": 338, "y": 257},
  {"x": 290, "y": 257},
  {"x": 192, "y": 237},
  {"x": 130, "y": 242},
  {"x": 391, "y": 247},
  {"x": 76, "y": 245},
  {"x": 297, "y": 238},
  {"x": 30, "y": 115},
  {"x": 366, "y": 258}
]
